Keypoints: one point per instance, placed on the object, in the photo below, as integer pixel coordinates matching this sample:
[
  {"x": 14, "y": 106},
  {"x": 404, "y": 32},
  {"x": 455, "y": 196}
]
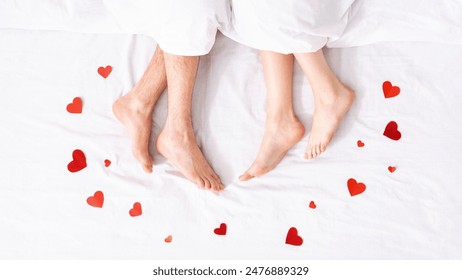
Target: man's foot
[
  {"x": 328, "y": 113},
  {"x": 279, "y": 137},
  {"x": 179, "y": 146},
  {"x": 137, "y": 120}
]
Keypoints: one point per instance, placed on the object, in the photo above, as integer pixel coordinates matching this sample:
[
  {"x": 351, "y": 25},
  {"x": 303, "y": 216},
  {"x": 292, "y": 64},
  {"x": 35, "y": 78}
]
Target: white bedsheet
[{"x": 415, "y": 212}]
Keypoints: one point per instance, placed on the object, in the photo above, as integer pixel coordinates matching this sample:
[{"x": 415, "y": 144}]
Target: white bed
[{"x": 414, "y": 212}]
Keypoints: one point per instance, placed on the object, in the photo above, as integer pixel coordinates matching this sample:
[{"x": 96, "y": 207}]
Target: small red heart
[
  {"x": 355, "y": 188},
  {"x": 391, "y": 169},
  {"x": 360, "y": 143},
  {"x": 136, "y": 210},
  {"x": 221, "y": 230},
  {"x": 105, "y": 71},
  {"x": 389, "y": 90},
  {"x": 293, "y": 238},
  {"x": 312, "y": 205},
  {"x": 79, "y": 161},
  {"x": 107, "y": 162},
  {"x": 392, "y": 132},
  {"x": 96, "y": 200},
  {"x": 75, "y": 107},
  {"x": 168, "y": 239}
]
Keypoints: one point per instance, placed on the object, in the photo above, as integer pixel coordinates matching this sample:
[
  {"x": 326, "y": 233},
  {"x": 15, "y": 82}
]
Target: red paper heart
[
  {"x": 312, "y": 205},
  {"x": 221, "y": 230},
  {"x": 136, "y": 210},
  {"x": 75, "y": 107},
  {"x": 391, "y": 169},
  {"x": 355, "y": 188},
  {"x": 168, "y": 239},
  {"x": 105, "y": 71},
  {"x": 293, "y": 238},
  {"x": 79, "y": 161},
  {"x": 360, "y": 143},
  {"x": 107, "y": 162},
  {"x": 392, "y": 132},
  {"x": 96, "y": 200},
  {"x": 389, "y": 90}
]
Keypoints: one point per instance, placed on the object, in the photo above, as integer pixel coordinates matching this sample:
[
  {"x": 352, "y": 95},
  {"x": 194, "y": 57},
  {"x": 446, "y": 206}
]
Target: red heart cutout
[
  {"x": 79, "y": 161},
  {"x": 107, "y": 162},
  {"x": 391, "y": 169},
  {"x": 75, "y": 107},
  {"x": 392, "y": 132},
  {"x": 221, "y": 230},
  {"x": 312, "y": 205},
  {"x": 389, "y": 90},
  {"x": 136, "y": 210},
  {"x": 105, "y": 71},
  {"x": 168, "y": 239},
  {"x": 360, "y": 143},
  {"x": 355, "y": 188},
  {"x": 96, "y": 200},
  {"x": 293, "y": 238}
]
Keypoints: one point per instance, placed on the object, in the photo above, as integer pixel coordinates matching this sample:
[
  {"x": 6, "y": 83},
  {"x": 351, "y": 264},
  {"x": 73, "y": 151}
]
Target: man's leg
[
  {"x": 332, "y": 99},
  {"x": 134, "y": 110},
  {"x": 177, "y": 141},
  {"x": 283, "y": 129}
]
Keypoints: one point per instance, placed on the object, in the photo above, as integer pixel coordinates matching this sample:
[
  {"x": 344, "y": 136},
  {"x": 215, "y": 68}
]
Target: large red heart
[
  {"x": 105, "y": 71},
  {"x": 391, "y": 169},
  {"x": 221, "y": 230},
  {"x": 355, "y": 188},
  {"x": 389, "y": 90},
  {"x": 96, "y": 200},
  {"x": 293, "y": 238},
  {"x": 136, "y": 210},
  {"x": 391, "y": 131},
  {"x": 75, "y": 107},
  {"x": 360, "y": 143},
  {"x": 79, "y": 161}
]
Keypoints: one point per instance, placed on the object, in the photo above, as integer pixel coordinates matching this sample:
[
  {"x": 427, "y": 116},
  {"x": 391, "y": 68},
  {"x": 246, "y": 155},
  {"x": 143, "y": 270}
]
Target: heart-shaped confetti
[
  {"x": 78, "y": 162},
  {"x": 136, "y": 210},
  {"x": 293, "y": 238},
  {"x": 391, "y": 131},
  {"x": 107, "y": 162},
  {"x": 96, "y": 200},
  {"x": 312, "y": 205},
  {"x": 75, "y": 107},
  {"x": 105, "y": 71},
  {"x": 391, "y": 169},
  {"x": 168, "y": 239},
  {"x": 360, "y": 143},
  {"x": 390, "y": 90},
  {"x": 220, "y": 230},
  {"x": 355, "y": 188}
]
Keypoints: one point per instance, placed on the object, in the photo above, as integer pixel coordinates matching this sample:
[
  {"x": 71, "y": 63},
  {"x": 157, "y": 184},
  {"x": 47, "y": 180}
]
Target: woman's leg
[
  {"x": 134, "y": 110},
  {"x": 332, "y": 100},
  {"x": 283, "y": 129},
  {"x": 177, "y": 141}
]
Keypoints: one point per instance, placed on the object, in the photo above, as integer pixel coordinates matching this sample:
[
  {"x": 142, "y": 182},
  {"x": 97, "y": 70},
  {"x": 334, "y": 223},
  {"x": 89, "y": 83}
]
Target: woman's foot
[
  {"x": 137, "y": 119},
  {"x": 329, "y": 111},
  {"x": 280, "y": 136},
  {"x": 178, "y": 144}
]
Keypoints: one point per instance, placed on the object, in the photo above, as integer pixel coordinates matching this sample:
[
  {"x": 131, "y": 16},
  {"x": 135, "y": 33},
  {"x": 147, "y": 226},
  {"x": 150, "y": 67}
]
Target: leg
[
  {"x": 177, "y": 141},
  {"x": 332, "y": 100},
  {"x": 134, "y": 110},
  {"x": 283, "y": 129}
]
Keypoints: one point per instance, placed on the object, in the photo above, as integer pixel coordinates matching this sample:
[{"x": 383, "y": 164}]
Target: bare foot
[
  {"x": 179, "y": 146},
  {"x": 137, "y": 120},
  {"x": 327, "y": 116},
  {"x": 279, "y": 137}
]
